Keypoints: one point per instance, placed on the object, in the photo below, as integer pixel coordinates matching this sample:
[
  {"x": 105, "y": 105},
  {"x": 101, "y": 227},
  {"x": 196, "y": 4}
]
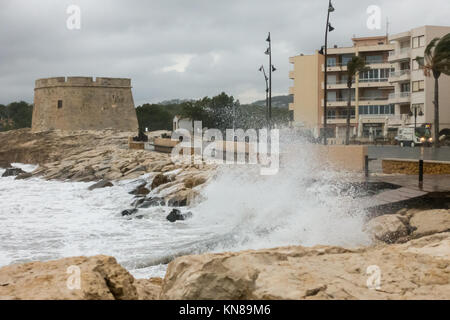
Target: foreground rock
[
  {"x": 408, "y": 224},
  {"x": 419, "y": 269},
  {"x": 101, "y": 278}
]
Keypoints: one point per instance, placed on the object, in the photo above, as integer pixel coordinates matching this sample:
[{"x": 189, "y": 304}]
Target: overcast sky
[{"x": 182, "y": 48}]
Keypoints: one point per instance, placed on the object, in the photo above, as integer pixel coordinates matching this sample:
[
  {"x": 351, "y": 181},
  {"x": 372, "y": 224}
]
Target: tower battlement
[{"x": 82, "y": 81}]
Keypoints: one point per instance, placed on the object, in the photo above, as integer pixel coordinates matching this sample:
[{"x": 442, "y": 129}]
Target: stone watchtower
[{"x": 81, "y": 103}]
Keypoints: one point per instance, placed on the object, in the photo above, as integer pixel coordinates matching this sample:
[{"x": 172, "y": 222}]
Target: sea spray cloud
[{"x": 301, "y": 205}]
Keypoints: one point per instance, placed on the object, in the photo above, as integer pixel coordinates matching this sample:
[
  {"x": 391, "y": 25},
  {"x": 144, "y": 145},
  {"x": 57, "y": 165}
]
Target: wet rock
[
  {"x": 24, "y": 176},
  {"x": 137, "y": 202},
  {"x": 194, "y": 182},
  {"x": 141, "y": 190},
  {"x": 160, "y": 179},
  {"x": 129, "y": 212},
  {"x": 151, "y": 202},
  {"x": 177, "y": 201},
  {"x": 101, "y": 184},
  {"x": 12, "y": 172},
  {"x": 176, "y": 215},
  {"x": 387, "y": 228}
]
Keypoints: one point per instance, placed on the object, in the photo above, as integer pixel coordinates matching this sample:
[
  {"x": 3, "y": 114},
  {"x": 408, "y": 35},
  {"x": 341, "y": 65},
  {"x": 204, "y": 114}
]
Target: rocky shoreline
[
  {"x": 418, "y": 269},
  {"x": 410, "y": 251}
]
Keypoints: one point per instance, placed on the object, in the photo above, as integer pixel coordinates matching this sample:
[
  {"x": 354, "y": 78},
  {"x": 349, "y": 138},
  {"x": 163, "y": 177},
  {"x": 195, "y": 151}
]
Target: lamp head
[
  {"x": 330, "y": 28},
  {"x": 331, "y": 8}
]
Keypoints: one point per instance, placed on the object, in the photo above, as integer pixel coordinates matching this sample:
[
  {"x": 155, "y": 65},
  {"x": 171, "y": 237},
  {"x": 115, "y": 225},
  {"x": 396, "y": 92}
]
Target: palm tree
[
  {"x": 436, "y": 61},
  {"x": 354, "y": 67}
]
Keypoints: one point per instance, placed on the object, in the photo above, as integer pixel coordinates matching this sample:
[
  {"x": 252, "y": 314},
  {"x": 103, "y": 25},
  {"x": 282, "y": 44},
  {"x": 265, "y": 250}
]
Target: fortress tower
[{"x": 81, "y": 103}]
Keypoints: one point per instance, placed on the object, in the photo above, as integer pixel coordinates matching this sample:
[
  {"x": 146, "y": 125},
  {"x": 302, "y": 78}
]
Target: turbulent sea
[{"x": 47, "y": 220}]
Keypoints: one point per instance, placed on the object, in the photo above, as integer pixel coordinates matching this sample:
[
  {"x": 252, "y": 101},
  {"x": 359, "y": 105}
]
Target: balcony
[
  {"x": 339, "y": 119},
  {"x": 401, "y": 75},
  {"x": 372, "y": 83},
  {"x": 378, "y": 64},
  {"x": 341, "y": 84},
  {"x": 335, "y": 67},
  {"x": 400, "y": 97},
  {"x": 339, "y": 102},
  {"x": 397, "y": 55},
  {"x": 373, "y": 100}
]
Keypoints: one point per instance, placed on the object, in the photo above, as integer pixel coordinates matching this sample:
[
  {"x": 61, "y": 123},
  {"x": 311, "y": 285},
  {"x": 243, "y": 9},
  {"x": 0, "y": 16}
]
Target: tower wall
[{"x": 82, "y": 103}]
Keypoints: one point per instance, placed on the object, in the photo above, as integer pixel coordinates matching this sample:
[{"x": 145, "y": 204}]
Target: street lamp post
[
  {"x": 266, "y": 79},
  {"x": 328, "y": 28},
  {"x": 271, "y": 69},
  {"x": 415, "y": 107}
]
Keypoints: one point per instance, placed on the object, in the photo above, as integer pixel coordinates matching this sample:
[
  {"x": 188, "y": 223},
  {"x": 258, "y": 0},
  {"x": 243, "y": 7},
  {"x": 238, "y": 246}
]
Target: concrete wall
[
  {"x": 342, "y": 158},
  {"x": 86, "y": 104}
]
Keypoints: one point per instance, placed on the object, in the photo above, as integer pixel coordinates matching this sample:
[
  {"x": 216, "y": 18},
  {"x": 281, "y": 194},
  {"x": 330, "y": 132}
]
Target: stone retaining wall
[{"x": 411, "y": 167}]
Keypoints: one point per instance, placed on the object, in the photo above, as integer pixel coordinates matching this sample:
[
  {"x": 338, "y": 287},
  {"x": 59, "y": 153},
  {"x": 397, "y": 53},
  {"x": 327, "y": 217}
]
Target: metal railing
[
  {"x": 340, "y": 117},
  {"x": 400, "y": 73},
  {"x": 399, "y": 95}
]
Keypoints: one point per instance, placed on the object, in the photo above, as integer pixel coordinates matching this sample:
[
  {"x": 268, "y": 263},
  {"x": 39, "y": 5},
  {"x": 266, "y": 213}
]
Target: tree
[
  {"x": 195, "y": 111},
  {"x": 436, "y": 61},
  {"x": 354, "y": 67},
  {"x": 154, "y": 117},
  {"x": 15, "y": 115}
]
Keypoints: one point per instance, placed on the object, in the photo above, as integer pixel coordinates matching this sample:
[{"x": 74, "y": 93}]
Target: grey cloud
[{"x": 138, "y": 39}]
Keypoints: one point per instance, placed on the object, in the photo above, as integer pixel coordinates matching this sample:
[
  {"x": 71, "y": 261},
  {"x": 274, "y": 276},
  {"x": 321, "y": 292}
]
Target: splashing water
[{"x": 301, "y": 205}]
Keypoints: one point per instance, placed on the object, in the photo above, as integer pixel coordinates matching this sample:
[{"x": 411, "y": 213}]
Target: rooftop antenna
[{"x": 387, "y": 27}]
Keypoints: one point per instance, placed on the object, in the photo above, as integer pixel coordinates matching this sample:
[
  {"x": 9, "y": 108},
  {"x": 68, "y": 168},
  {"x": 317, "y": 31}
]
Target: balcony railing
[
  {"x": 399, "y": 52},
  {"x": 340, "y": 99},
  {"x": 399, "y": 73},
  {"x": 373, "y": 98},
  {"x": 376, "y": 62},
  {"x": 399, "y": 95},
  {"x": 374, "y": 80},
  {"x": 340, "y": 117},
  {"x": 339, "y": 82}
]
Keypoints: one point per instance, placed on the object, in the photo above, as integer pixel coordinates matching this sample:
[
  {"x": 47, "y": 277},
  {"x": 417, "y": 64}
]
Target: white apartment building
[{"x": 383, "y": 98}]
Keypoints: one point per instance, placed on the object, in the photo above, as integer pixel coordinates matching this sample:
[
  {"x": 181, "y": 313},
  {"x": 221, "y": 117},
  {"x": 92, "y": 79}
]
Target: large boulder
[
  {"x": 416, "y": 270},
  {"x": 12, "y": 172},
  {"x": 100, "y": 278},
  {"x": 387, "y": 228},
  {"x": 176, "y": 215},
  {"x": 429, "y": 222}
]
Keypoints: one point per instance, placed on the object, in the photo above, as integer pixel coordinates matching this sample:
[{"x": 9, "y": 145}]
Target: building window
[
  {"x": 405, "y": 87},
  {"x": 60, "y": 104},
  {"x": 416, "y": 65},
  {"x": 418, "y": 86},
  {"x": 418, "y": 42},
  {"x": 374, "y": 59},
  {"x": 377, "y": 109},
  {"x": 331, "y": 61}
]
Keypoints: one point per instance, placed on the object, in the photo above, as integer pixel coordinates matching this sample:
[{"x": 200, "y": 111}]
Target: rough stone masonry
[{"x": 82, "y": 103}]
